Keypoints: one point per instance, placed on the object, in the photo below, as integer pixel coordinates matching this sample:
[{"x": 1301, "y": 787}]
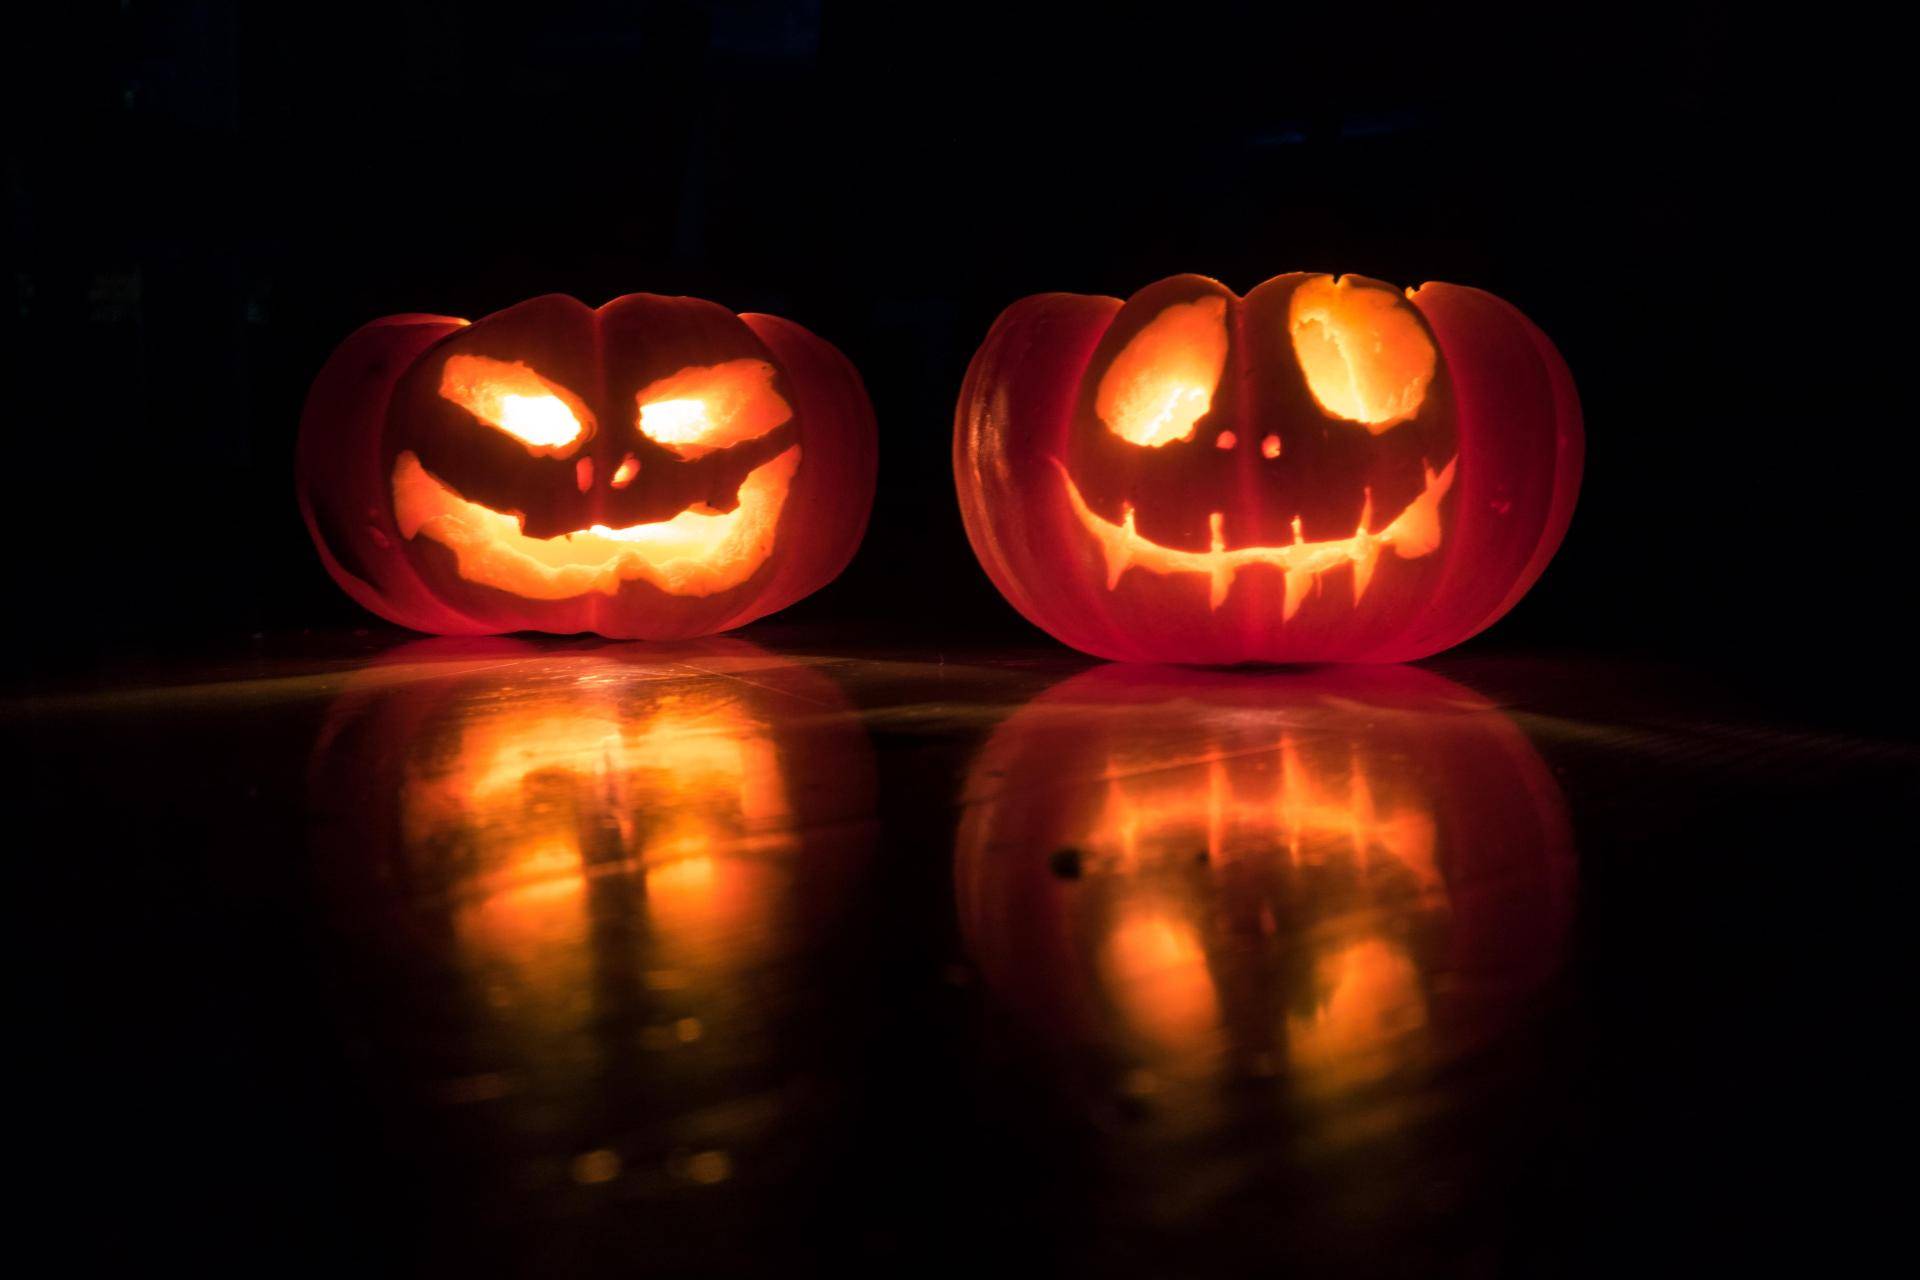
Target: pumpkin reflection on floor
[
  {"x": 609, "y": 868},
  {"x": 684, "y": 799},
  {"x": 1322, "y": 879}
]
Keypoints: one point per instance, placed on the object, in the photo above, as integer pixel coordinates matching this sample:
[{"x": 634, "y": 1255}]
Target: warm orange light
[
  {"x": 1366, "y": 356},
  {"x": 1315, "y": 878},
  {"x": 682, "y": 798},
  {"x": 1369, "y": 1000},
  {"x": 1415, "y": 532},
  {"x": 1179, "y": 844},
  {"x": 624, "y": 473},
  {"x": 1225, "y": 800},
  {"x": 1163, "y": 381},
  {"x": 508, "y": 396},
  {"x": 708, "y": 407},
  {"x": 696, "y": 553},
  {"x": 675, "y": 422},
  {"x": 1154, "y": 965}
]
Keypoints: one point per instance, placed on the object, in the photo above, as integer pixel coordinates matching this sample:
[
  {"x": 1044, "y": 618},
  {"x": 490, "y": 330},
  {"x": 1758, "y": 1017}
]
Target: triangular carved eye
[
  {"x": 1163, "y": 380},
  {"x": 1366, "y": 356},
  {"x": 510, "y": 397},
  {"x": 706, "y": 407}
]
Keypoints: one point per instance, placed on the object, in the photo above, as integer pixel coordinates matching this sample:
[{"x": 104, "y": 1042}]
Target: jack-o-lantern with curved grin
[
  {"x": 657, "y": 468},
  {"x": 1324, "y": 470}
]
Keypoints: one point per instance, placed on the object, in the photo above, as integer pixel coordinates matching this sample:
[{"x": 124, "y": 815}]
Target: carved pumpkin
[
  {"x": 1324, "y": 470},
  {"x": 1326, "y": 876},
  {"x": 656, "y": 469}
]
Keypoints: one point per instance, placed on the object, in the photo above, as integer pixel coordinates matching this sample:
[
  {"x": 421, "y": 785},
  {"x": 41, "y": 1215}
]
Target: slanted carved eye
[
  {"x": 1366, "y": 357},
  {"x": 1163, "y": 380},
  {"x": 706, "y": 407},
  {"x": 510, "y": 397}
]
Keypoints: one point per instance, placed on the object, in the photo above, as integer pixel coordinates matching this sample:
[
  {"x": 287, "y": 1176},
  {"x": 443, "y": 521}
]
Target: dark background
[{"x": 205, "y": 198}]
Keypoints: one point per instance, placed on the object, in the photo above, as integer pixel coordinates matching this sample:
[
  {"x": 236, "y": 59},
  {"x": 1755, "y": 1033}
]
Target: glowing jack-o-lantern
[
  {"x": 659, "y": 468},
  {"x": 601, "y": 878},
  {"x": 1325, "y": 878},
  {"x": 1323, "y": 470}
]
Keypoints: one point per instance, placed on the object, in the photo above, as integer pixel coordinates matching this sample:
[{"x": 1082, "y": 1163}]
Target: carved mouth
[
  {"x": 1415, "y": 532},
  {"x": 696, "y": 553}
]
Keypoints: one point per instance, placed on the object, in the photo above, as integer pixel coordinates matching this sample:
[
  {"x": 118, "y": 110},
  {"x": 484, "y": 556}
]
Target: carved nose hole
[
  {"x": 583, "y": 474},
  {"x": 1270, "y": 447},
  {"x": 624, "y": 473},
  {"x": 1225, "y": 440}
]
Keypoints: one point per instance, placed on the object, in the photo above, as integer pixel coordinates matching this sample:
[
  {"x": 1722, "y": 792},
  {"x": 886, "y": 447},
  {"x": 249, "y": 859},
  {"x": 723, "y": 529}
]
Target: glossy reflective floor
[{"x": 563, "y": 958}]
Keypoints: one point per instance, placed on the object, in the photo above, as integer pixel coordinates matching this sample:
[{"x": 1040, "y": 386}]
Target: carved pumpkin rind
[
  {"x": 1498, "y": 398},
  {"x": 390, "y": 453}
]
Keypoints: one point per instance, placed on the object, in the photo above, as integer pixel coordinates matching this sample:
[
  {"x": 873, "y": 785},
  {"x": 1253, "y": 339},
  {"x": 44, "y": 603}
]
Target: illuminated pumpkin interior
[
  {"x": 1415, "y": 532},
  {"x": 1163, "y": 380},
  {"x": 1264, "y": 806},
  {"x": 1366, "y": 356},
  {"x": 510, "y": 397},
  {"x": 1366, "y": 359},
  {"x": 708, "y": 407},
  {"x": 697, "y": 552},
  {"x": 679, "y": 804}
]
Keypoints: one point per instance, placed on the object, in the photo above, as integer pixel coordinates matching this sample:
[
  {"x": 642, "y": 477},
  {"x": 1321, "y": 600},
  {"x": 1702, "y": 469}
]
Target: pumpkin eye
[
  {"x": 510, "y": 397},
  {"x": 1366, "y": 358},
  {"x": 706, "y": 407},
  {"x": 1163, "y": 380}
]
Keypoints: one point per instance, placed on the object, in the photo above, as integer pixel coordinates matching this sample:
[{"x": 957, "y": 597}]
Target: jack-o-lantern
[
  {"x": 659, "y": 468},
  {"x": 1322, "y": 878},
  {"x": 1323, "y": 470}
]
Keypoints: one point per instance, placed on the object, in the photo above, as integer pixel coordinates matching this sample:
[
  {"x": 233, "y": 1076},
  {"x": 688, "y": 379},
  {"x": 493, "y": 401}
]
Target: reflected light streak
[
  {"x": 1269, "y": 870},
  {"x": 595, "y": 887},
  {"x": 680, "y": 799},
  {"x": 1371, "y": 1003},
  {"x": 1242, "y": 805}
]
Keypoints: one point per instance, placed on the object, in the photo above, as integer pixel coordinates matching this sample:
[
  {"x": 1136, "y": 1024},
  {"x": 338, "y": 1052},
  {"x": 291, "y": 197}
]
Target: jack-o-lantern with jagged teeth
[
  {"x": 657, "y": 468},
  {"x": 1324, "y": 470}
]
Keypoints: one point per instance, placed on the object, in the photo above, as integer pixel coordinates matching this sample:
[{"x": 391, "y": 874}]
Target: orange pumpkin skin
[
  {"x": 505, "y": 475},
  {"x": 1321, "y": 471}
]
